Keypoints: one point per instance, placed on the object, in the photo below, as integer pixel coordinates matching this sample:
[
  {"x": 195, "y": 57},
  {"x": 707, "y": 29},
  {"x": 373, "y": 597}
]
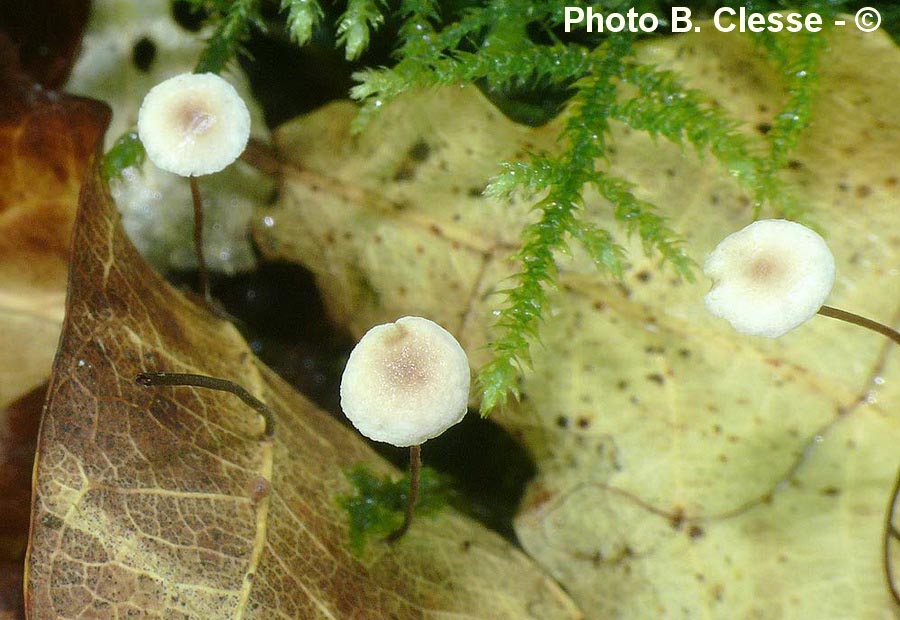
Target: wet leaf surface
[
  {"x": 45, "y": 140},
  {"x": 684, "y": 470},
  {"x": 11, "y": 601},
  {"x": 18, "y": 437},
  {"x": 164, "y": 502}
]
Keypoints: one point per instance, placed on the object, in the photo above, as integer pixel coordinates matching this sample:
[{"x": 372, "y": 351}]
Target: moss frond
[
  {"x": 128, "y": 151},
  {"x": 799, "y": 58},
  {"x": 377, "y": 505},
  {"x": 232, "y": 30},
  {"x": 640, "y": 217},
  {"x": 355, "y": 25},
  {"x": 505, "y": 45},
  {"x": 526, "y": 302},
  {"x": 303, "y": 16}
]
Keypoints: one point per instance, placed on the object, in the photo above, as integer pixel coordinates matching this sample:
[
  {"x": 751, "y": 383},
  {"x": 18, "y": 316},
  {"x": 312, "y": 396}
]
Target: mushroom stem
[
  {"x": 862, "y": 321},
  {"x": 891, "y": 532},
  {"x": 415, "y": 468},
  {"x": 198, "y": 240},
  {"x": 148, "y": 379}
]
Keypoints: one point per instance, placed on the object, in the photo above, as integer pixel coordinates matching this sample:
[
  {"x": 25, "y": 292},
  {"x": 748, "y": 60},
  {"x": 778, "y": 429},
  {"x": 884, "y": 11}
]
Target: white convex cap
[
  {"x": 406, "y": 382},
  {"x": 193, "y": 124},
  {"x": 769, "y": 277}
]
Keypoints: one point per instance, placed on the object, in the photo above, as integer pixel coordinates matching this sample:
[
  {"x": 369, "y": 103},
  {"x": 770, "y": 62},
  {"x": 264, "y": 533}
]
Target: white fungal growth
[
  {"x": 406, "y": 382},
  {"x": 193, "y": 124},
  {"x": 769, "y": 277}
]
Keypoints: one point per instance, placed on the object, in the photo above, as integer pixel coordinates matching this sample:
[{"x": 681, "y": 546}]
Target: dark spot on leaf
[
  {"x": 677, "y": 519},
  {"x": 188, "y": 15},
  {"x": 644, "y": 275},
  {"x": 419, "y": 152},
  {"x": 764, "y": 128},
  {"x": 655, "y": 377},
  {"x": 863, "y": 191},
  {"x": 695, "y": 532},
  {"x": 795, "y": 165},
  {"x": 52, "y": 522},
  {"x": 143, "y": 54},
  {"x": 562, "y": 422},
  {"x": 404, "y": 173}
]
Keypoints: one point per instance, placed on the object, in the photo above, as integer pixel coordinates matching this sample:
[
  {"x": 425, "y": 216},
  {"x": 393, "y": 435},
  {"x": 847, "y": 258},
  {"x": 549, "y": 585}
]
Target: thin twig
[
  {"x": 415, "y": 467},
  {"x": 212, "y": 383}
]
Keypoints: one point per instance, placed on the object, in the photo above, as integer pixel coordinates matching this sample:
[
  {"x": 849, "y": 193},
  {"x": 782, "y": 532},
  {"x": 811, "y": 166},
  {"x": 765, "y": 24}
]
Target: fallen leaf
[
  {"x": 11, "y": 601},
  {"x": 18, "y": 437},
  {"x": 684, "y": 470},
  {"x": 165, "y": 502},
  {"x": 45, "y": 140}
]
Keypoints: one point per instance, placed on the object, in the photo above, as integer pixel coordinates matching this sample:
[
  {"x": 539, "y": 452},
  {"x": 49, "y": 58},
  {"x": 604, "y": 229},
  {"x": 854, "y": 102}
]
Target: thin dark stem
[
  {"x": 862, "y": 321},
  {"x": 198, "y": 239},
  {"x": 415, "y": 468},
  {"x": 212, "y": 383},
  {"x": 890, "y": 531}
]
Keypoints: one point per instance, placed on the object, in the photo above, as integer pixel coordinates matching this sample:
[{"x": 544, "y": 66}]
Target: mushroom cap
[
  {"x": 193, "y": 124},
  {"x": 406, "y": 382},
  {"x": 769, "y": 277}
]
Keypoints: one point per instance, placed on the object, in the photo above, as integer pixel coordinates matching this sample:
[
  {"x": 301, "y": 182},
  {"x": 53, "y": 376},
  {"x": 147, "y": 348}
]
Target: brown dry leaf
[
  {"x": 11, "y": 601},
  {"x": 18, "y": 436},
  {"x": 45, "y": 141},
  {"x": 164, "y": 502},
  {"x": 685, "y": 471},
  {"x": 47, "y": 34}
]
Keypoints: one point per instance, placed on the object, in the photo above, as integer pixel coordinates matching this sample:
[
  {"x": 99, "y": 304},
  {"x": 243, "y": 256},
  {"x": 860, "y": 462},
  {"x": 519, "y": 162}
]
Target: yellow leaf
[{"x": 684, "y": 470}]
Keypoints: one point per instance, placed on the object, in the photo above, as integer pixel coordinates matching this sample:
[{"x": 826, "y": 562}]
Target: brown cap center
[
  {"x": 192, "y": 118},
  {"x": 764, "y": 269}
]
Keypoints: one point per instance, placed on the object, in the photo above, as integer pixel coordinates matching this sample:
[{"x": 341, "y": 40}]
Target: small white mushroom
[
  {"x": 406, "y": 382},
  {"x": 769, "y": 277},
  {"x": 193, "y": 124}
]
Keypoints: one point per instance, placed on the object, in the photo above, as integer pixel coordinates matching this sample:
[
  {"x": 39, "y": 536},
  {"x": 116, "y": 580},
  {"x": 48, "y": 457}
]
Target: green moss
[
  {"x": 517, "y": 46},
  {"x": 378, "y": 505},
  {"x": 126, "y": 152}
]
